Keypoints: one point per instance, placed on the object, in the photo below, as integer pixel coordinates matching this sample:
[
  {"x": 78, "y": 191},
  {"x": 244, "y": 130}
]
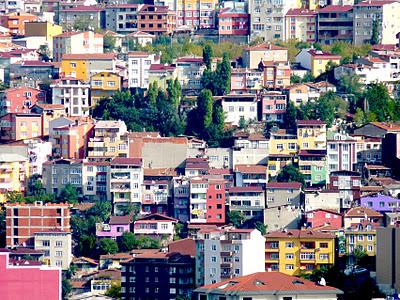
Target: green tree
[
  {"x": 290, "y": 173},
  {"x": 152, "y": 94},
  {"x": 108, "y": 246},
  {"x": 87, "y": 245},
  {"x": 261, "y": 227},
  {"x": 236, "y": 218},
  {"x": 205, "y": 110},
  {"x": 66, "y": 288},
  {"x": 295, "y": 79},
  {"x": 114, "y": 291},
  {"x": 68, "y": 194},
  {"x": 242, "y": 122},
  {"x": 37, "y": 189},
  {"x": 223, "y": 76},
  {"x": 44, "y": 52},
  {"x": 351, "y": 84},
  {"x": 375, "y": 33},
  {"x": 108, "y": 43},
  {"x": 359, "y": 117},
  {"x": 290, "y": 117},
  {"x": 380, "y": 103},
  {"x": 101, "y": 209},
  {"x": 15, "y": 197},
  {"x": 127, "y": 242},
  {"x": 308, "y": 78},
  {"x": 178, "y": 231},
  {"x": 207, "y": 55}
]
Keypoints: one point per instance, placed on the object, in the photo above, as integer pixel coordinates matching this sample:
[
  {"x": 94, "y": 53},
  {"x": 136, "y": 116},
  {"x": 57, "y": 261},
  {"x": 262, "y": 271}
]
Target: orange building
[
  {"x": 71, "y": 140},
  {"x": 15, "y": 22},
  {"x": 14, "y": 126},
  {"x": 24, "y": 220},
  {"x": 156, "y": 19}
]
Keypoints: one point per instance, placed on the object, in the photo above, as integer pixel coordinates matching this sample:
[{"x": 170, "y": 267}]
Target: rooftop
[
  {"x": 284, "y": 185},
  {"x": 362, "y": 212},
  {"x": 251, "y": 169},
  {"x": 297, "y": 233},
  {"x": 90, "y": 56},
  {"x": 264, "y": 46}
]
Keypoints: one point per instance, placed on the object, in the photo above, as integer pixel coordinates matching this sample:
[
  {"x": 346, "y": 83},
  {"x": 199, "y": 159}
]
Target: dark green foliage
[
  {"x": 219, "y": 81},
  {"x": 295, "y": 79},
  {"x": 207, "y": 55},
  {"x": 380, "y": 104},
  {"x": 108, "y": 43},
  {"x": 375, "y": 33},
  {"x": 261, "y": 227},
  {"x": 290, "y": 117},
  {"x": 108, "y": 246},
  {"x": 127, "y": 242},
  {"x": 290, "y": 173},
  {"x": 236, "y": 218},
  {"x": 66, "y": 288},
  {"x": 114, "y": 291},
  {"x": 68, "y": 194},
  {"x": 87, "y": 245},
  {"x": 101, "y": 209}
]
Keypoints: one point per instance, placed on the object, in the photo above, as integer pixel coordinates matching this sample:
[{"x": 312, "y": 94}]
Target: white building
[
  {"x": 322, "y": 199},
  {"x": 238, "y": 107},
  {"x": 57, "y": 247},
  {"x": 198, "y": 200},
  {"x": 138, "y": 68},
  {"x": 73, "y": 94},
  {"x": 341, "y": 152},
  {"x": 126, "y": 180},
  {"x": 190, "y": 71},
  {"x": 226, "y": 254}
]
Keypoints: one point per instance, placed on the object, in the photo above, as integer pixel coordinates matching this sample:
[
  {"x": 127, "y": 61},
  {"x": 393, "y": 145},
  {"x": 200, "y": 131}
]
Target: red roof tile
[
  {"x": 253, "y": 169},
  {"x": 362, "y": 212},
  {"x": 335, "y": 8},
  {"x": 264, "y": 46},
  {"x": 284, "y": 185},
  {"x": 297, "y": 233},
  {"x": 310, "y": 122},
  {"x": 127, "y": 161}
]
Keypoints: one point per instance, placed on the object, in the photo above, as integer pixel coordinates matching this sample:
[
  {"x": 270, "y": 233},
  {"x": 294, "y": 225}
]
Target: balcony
[{"x": 120, "y": 187}]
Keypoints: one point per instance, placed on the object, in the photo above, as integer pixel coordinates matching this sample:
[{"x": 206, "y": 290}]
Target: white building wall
[{"x": 234, "y": 111}]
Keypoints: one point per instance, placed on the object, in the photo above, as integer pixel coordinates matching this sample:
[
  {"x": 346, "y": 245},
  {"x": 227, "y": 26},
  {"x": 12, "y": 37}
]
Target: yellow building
[
  {"x": 104, "y": 85},
  {"x": 311, "y": 135},
  {"x": 83, "y": 66},
  {"x": 310, "y": 4},
  {"x": 110, "y": 140},
  {"x": 264, "y": 52},
  {"x": 361, "y": 236},
  {"x": 317, "y": 61},
  {"x": 14, "y": 173},
  {"x": 49, "y": 113},
  {"x": 282, "y": 149},
  {"x": 296, "y": 251}
]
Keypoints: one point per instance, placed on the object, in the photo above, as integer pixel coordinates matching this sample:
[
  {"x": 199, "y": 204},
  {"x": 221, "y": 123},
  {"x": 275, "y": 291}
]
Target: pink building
[
  {"x": 233, "y": 22},
  {"x": 273, "y": 106},
  {"x": 20, "y": 99},
  {"x": 28, "y": 280},
  {"x": 244, "y": 80},
  {"x": 320, "y": 217},
  {"x": 15, "y": 127},
  {"x": 115, "y": 227}
]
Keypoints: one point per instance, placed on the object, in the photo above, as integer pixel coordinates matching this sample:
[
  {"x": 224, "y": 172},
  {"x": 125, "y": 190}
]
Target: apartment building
[
  {"x": 250, "y": 175},
  {"x": 311, "y": 134},
  {"x": 110, "y": 139},
  {"x": 249, "y": 200},
  {"x": 24, "y": 220},
  {"x": 301, "y": 24},
  {"x": 104, "y": 85},
  {"x": 181, "y": 206},
  {"x": 139, "y": 64},
  {"x": 15, "y": 127},
  {"x": 15, "y": 22},
  {"x": 122, "y": 18},
  {"x": 283, "y": 146},
  {"x": 156, "y": 226},
  {"x": 240, "y": 107},
  {"x": 216, "y": 200},
  {"x": 302, "y": 93},
  {"x": 244, "y": 80},
  {"x": 83, "y": 66},
  {"x": 161, "y": 74},
  {"x": 233, "y": 22},
  {"x": 253, "y": 55},
  {"x": 316, "y": 61},
  {"x": 20, "y": 99},
  {"x": 126, "y": 180},
  {"x": 43, "y": 29},
  {"x": 198, "y": 200},
  {"x": 94, "y": 15},
  {"x": 156, "y": 197},
  {"x": 57, "y": 247},
  {"x": 196, "y": 14},
  {"x": 276, "y": 74},
  {"x": 73, "y": 94},
  {"x": 33, "y": 282},
  {"x": 190, "y": 71},
  {"x": 227, "y": 254},
  {"x": 295, "y": 251},
  {"x": 348, "y": 184},
  {"x": 158, "y": 275},
  {"x": 14, "y": 174},
  {"x": 342, "y": 152},
  {"x": 381, "y": 12},
  {"x": 156, "y": 19},
  {"x": 267, "y": 18},
  {"x": 273, "y": 106},
  {"x": 360, "y": 214},
  {"x": 70, "y": 137},
  {"x": 335, "y": 23},
  {"x": 361, "y": 236},
  {"x": 76, "y": 42}
]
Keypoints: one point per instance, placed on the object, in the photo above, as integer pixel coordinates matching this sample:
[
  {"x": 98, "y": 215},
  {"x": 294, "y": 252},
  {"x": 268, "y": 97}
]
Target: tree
[
  {"x": 87, "y": 245},
  {"x": 207, "y": 55},
  {"x": 236, "y": 218},
  {"x": 290, "y": 173},
  {"x": 223, "y": 76},
  {"x": 290, "y": 116},
  {"x": 108, "y": 43},
  {"x": 68, "y": 194},
  {"x": 66, "y": 288},
  {"x": 108, "y": 246},
  {"x": 380, "y": 103},
  {"x": 242, "y": 122},
  {"x": 359, "y": 117},
  {"x": 205, "y": 110},
  {"x": 127, "y": 242},
  {"x": 261, "y": 227},
  {"x": 102, "y": 209},
  {"x": 15, "y": 197},
  {"x": 295, "y": 79},
  {"x": 44, "y": 52},
  {"x": 114, "y": 291},
  {"x": 375, "y": 33},
  {"x": 308, "y": 78}
]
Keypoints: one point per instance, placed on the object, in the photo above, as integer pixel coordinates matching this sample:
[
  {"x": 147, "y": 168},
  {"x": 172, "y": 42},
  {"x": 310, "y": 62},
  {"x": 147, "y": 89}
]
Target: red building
[
  {"x": 233, "y": 22},
  {"x": 320, "y": 217},
  {"x": 20, "y": 99},
  {"x": 24, "y": 220},
  {"x": 28, "y": 281},
  {"x": 156, "y": 19},
  {"x": 216, "y": 201}
]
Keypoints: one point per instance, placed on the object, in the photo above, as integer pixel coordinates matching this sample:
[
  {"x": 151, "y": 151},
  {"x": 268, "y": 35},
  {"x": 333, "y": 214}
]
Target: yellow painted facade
[
  {"x": 76, "y": 68},
  {"x": 364, "y": 240},
  {"x": 311, "y": 137},
  {"x": 319, "y": 64},
  {"x": 298, "y": 254},
  {"x": 14, "y": 171},
  {"x": 103, "y": 85}
]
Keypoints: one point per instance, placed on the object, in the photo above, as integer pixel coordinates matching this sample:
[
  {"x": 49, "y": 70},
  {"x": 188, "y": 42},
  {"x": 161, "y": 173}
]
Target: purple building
[
  {"x": 381, "y": 203},
  {"x": 115, "y": 227}
]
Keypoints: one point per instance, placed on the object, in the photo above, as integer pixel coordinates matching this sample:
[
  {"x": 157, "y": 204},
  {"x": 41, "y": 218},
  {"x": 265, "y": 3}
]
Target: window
[
  {"x": 289, "y": 256},
  {"x": 110, "y": 83},
  {"x": 323, "y": 245},
  {"x": 59, "y": 244},
  {"x": 324, "y": 256},
  {"x": 172, "y": 291},
  {"x": 369, "y": 237},
  {"x": 46, "y": 243},
  {"x": 73, "y": 65},
  {"x": 289, "y": 267},
  {"x": 214, "y": 259},
  {"x": 59, "y": 263},
  {"x": 370, "y": 248},
  {"x": 214, "y": 247},
  {"x": 289, "y": 245},
  {"x": 59, "y": 253},
  {"x": 360, "y": 237}
]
